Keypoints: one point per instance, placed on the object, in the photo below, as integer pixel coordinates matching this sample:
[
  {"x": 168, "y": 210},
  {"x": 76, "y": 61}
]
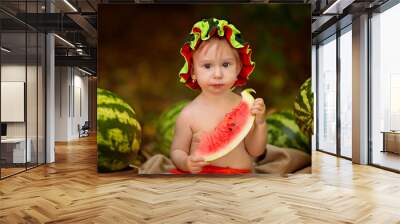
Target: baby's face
[{"x": 216, "y": 65}]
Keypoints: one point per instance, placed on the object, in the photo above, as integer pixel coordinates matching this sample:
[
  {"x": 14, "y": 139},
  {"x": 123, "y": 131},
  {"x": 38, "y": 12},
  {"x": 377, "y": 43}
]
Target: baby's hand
[
  {"x": 258, "y": 109},
  {"x": 195, "y": 163}
]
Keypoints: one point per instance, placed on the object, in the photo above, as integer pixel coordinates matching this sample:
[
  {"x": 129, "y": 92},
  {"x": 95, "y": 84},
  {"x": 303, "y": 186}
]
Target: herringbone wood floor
[{"x": 71, "y": 191}]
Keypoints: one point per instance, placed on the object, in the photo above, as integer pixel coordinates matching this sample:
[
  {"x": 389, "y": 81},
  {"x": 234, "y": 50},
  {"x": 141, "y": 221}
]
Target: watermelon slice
[{"x": 230, "y": 131}]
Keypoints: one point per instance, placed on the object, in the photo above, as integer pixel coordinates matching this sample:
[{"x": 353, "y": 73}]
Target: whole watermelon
[
  {"x": 118, "y": 132},
  {"x": 303, "y": 108},
  {"x": 166, "y": 125},
  {"x": 284, "y": 132}
]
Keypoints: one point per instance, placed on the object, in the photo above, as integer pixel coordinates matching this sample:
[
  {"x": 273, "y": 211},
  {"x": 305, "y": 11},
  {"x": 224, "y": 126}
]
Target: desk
[
  {"x": 391, "y": 141},
  {"x": 13, "y": 150}
]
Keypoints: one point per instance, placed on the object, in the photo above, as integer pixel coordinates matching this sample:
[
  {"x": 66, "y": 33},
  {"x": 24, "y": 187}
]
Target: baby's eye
[
  {"x": 207, "y": 66},
  {"x": 226, "y": 64}
]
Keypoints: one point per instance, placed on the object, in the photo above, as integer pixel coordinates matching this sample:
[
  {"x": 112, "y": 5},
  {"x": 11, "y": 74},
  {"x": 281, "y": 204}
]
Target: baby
[{"x": 217, "y": 60}]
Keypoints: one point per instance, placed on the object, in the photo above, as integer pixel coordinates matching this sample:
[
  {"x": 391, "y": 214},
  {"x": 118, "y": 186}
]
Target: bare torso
[{"x": 205, "y": 118}]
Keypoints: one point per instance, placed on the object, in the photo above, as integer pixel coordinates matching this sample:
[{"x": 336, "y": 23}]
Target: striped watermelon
[
  {"x": 118, "y": 132},
  {"x": 284, "y": 132},
  {"x": 304, "y": 108},
  {"x": 165, "y": 127}
]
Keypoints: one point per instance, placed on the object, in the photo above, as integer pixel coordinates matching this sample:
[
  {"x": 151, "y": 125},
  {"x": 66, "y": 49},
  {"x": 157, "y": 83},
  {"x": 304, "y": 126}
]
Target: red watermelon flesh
[{"x": 230, "y": 131}]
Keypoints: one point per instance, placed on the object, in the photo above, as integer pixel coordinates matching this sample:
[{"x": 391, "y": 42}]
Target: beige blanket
[{"x": 277, "y": 161}]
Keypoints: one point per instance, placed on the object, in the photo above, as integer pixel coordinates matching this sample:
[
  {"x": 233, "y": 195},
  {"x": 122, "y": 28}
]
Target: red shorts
[{"x": 209, "y": 169}]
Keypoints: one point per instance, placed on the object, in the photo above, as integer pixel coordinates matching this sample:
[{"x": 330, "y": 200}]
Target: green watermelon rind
[
  {"x": 119, "y": 145},
  {"x": 304, "y": 108},
  {"x": 283, "y": 131},
  {"x": 166, "y": 127},
  {"x": 105, "y": 97}
]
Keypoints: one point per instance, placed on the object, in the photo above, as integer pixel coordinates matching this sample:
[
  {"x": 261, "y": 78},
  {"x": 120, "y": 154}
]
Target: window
[
  {"x": 346, "y": 92},
  {"x": 22, "y": 75},
  {"x": 327, "y": 95},
  {"x": 385, "y": 88}
]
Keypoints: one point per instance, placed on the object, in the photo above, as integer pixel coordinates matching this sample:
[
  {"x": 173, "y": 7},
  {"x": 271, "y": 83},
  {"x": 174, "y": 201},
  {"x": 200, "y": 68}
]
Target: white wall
[
  {"x": 80, "y": 109},
  {"x": 61, "y": 103},
  {"x": 71, "y": 93}
]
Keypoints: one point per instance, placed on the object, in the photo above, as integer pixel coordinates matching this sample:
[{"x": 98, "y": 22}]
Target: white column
[
  {"x": 360, "y": 90},
  {"x": 50, "y": 92}
]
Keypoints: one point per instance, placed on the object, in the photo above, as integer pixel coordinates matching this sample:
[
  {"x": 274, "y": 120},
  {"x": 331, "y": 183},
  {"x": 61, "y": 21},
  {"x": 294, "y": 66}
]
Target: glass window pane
[
  {"x": 386, "y": 88},
  {"x": 31, "y": 97},
  {"x": 23, "y": 85},
  {"x": 14, "y": 151},
  {"x": 346, "y": 94},
  {"x": 327, "y": 96},
  {"x": 313, "y": 81}
]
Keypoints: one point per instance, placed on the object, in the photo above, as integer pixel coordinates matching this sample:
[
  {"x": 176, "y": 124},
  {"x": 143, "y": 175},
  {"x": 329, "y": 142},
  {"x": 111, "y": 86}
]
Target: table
[
  {"x": 13, "y": 150},
  {"x": 391, "y": 141}
]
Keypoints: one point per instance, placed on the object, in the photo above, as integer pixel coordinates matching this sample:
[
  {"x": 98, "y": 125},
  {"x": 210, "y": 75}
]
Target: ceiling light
[
  {"x": 64, "y": 40},
  {"x": 79, "y": 51},
  {"x": 84, "y": 71},
  {"x": 337, "y": 7},
  {"x": 70, "y": 5},
  {"x": 331, "y": 7},
  {"x": 5, "y": 50}
]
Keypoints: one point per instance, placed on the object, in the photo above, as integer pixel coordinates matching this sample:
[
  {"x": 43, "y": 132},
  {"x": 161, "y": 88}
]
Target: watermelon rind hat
[{"x": 204, "y": 30}]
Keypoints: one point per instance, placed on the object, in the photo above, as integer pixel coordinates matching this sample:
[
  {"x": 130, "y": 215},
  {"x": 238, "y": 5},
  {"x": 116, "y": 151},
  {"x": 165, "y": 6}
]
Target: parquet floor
[
  {"x": 71, "y": 191},
  {"x": 9, "y": 171},
  {"x": 387, "y": 159}
]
